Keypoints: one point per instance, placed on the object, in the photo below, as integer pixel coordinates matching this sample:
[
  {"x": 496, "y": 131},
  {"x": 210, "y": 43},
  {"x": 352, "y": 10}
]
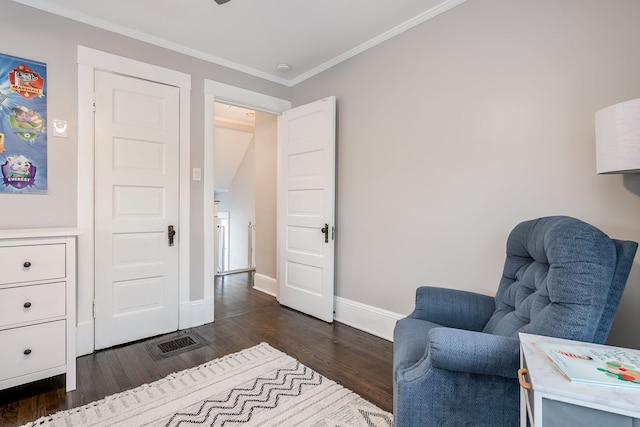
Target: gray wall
[
  {"x": 266, "y": 136},
  {"x": 455, "y": 131},
  {"x": 54, "y": 40}
]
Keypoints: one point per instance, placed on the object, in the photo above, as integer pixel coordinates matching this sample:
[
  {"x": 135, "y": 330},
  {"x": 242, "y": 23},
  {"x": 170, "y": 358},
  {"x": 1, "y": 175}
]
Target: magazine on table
[{"x": 593, "y": 364}]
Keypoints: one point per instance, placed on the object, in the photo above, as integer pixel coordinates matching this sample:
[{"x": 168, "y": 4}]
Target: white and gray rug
[{"x": 259, "y": 386}]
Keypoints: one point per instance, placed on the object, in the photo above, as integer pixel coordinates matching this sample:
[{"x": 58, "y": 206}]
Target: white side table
[{"x": 553, "y": 400}]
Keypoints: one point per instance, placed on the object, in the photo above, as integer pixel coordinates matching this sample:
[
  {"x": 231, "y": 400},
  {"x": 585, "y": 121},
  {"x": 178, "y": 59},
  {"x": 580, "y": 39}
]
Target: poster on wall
[{"x": 23, "y": 117}]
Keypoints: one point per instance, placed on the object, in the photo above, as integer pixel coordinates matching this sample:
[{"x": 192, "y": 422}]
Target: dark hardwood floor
[{"x": 243, "y": 317}]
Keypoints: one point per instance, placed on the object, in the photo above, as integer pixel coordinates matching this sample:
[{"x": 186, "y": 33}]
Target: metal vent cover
[
  {"x": 173, "y": 344},
  {"x": 176, "y": 344}
]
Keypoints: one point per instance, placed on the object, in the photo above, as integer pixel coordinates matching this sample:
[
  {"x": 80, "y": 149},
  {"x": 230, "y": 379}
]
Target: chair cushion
[{"x": 555, "y": 280}]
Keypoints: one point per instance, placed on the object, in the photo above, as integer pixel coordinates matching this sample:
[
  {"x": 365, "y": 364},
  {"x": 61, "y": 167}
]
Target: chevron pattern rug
[{"x": 259, "y": 386}]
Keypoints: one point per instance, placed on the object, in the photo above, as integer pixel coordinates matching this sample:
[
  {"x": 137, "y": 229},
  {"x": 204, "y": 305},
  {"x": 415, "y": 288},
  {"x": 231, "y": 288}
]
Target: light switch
[{"x": 197, "y": 174}]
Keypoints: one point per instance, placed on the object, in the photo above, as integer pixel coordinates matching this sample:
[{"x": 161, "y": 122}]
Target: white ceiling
[{"x": 253, "y": 36}]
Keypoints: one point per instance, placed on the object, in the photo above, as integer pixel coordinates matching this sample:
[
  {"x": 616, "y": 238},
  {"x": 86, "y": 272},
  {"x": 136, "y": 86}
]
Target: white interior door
[
  {"x": 306, "y": 207},
  {"x": 136, "y": 200}
]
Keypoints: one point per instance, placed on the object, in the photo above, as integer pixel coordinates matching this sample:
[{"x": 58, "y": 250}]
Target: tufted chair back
[{"x": 563, "y": 278}]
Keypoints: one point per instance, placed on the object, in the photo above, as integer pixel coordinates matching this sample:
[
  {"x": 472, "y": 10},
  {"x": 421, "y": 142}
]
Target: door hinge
[
  {"x": 94, "y": 309},
  {"x": 93, "y": 102}
]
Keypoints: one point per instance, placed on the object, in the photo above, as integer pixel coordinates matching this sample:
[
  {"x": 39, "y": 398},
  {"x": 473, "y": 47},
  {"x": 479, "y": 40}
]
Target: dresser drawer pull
[
  {"x": 522, "y": 373},
  {"x": 27, "y": 352},
  {"x": 27, "y": 264},
  {"x": 27, "y": 304}
]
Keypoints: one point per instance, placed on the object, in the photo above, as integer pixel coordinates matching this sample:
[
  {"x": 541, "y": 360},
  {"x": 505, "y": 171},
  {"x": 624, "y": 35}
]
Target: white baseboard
[
  {"x": 200, "y": 312},
  {"x": 373, "y": 320},
  {"x": 366, "y": 318},
  {"x": 265, "y": 284},
  {"x": 84, "y": 338}
]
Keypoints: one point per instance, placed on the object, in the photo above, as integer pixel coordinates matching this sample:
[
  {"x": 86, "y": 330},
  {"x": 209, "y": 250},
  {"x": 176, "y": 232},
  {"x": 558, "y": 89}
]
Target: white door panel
[
  {"x": 137, "y": 158},
  {"x": 133, "y": 296},
  {"x": 136, "y": 155},
  {"x": 304, "y": 277},
  {"x": 304, "y": 241},
  {"x": 306, "y": 205}
]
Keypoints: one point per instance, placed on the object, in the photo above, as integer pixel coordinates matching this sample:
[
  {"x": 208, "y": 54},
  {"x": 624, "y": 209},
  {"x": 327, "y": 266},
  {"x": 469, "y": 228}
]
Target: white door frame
[
  {"x": 220, "y": 92},
  {"x": 90, "y": 60}
]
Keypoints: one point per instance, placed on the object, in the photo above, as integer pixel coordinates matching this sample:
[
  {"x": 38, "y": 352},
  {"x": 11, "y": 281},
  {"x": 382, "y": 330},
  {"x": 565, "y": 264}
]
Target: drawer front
[
  {"x": 32, "y": 303},
  {"x": 32, "y": 262},
  {"x": 44, "y": 343}
]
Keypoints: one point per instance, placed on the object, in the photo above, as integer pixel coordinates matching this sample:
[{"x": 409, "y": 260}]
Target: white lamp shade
[{"x": 618, "y": 138}]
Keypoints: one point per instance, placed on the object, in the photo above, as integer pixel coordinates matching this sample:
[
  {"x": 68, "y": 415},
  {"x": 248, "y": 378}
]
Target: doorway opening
[
  {"x": 265, "y": 280},
  {"x": 245, "y": 150}
]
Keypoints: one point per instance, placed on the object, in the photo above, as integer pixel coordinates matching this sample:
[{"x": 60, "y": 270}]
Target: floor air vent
[
  {"x": 173, "y": 344},
  {"x": 176, "y": 344}
]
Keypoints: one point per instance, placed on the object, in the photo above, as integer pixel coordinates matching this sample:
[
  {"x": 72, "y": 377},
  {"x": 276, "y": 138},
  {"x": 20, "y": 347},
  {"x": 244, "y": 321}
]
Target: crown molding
[
  {"x": 176, "y": 47},
  {"x": 407, "y": 25},
  {"x": 147, "y": 38}
]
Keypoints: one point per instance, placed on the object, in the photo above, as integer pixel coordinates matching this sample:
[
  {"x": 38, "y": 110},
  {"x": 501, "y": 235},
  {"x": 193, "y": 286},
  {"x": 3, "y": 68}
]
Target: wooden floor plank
[{"x": 244, "y": 317}]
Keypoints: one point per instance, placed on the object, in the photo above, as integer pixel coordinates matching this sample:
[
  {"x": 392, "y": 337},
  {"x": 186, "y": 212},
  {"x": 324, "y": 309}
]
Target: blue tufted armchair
[{"x": 456, "y": 356}]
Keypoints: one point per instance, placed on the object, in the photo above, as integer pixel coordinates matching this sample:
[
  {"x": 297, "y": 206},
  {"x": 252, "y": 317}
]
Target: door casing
[{"x": 88, "y": 61}]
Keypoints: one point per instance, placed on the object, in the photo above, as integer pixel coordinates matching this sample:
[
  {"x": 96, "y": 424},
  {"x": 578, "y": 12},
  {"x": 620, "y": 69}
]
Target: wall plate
[{"x": 60, "y": 128}]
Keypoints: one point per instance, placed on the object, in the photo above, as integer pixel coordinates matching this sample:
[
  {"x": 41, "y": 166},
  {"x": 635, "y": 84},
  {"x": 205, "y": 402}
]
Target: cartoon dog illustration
[
  {"x": 24, "y": 78},
  {"x": 18, "y": 167}
]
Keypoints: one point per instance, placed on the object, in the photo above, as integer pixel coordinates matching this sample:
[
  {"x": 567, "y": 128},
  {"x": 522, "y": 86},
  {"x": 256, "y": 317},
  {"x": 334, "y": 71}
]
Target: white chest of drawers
[{"x": 37, "y": 305}]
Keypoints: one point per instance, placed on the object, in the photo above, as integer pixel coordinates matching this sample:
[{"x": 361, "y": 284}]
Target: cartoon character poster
[{"x": 23, "y": 119}]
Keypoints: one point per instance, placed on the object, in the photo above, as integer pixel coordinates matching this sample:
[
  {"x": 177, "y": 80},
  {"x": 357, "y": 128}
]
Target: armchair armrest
[
  {"x": 474, "y": 352},
  {"x": 453, "y": 308}
]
